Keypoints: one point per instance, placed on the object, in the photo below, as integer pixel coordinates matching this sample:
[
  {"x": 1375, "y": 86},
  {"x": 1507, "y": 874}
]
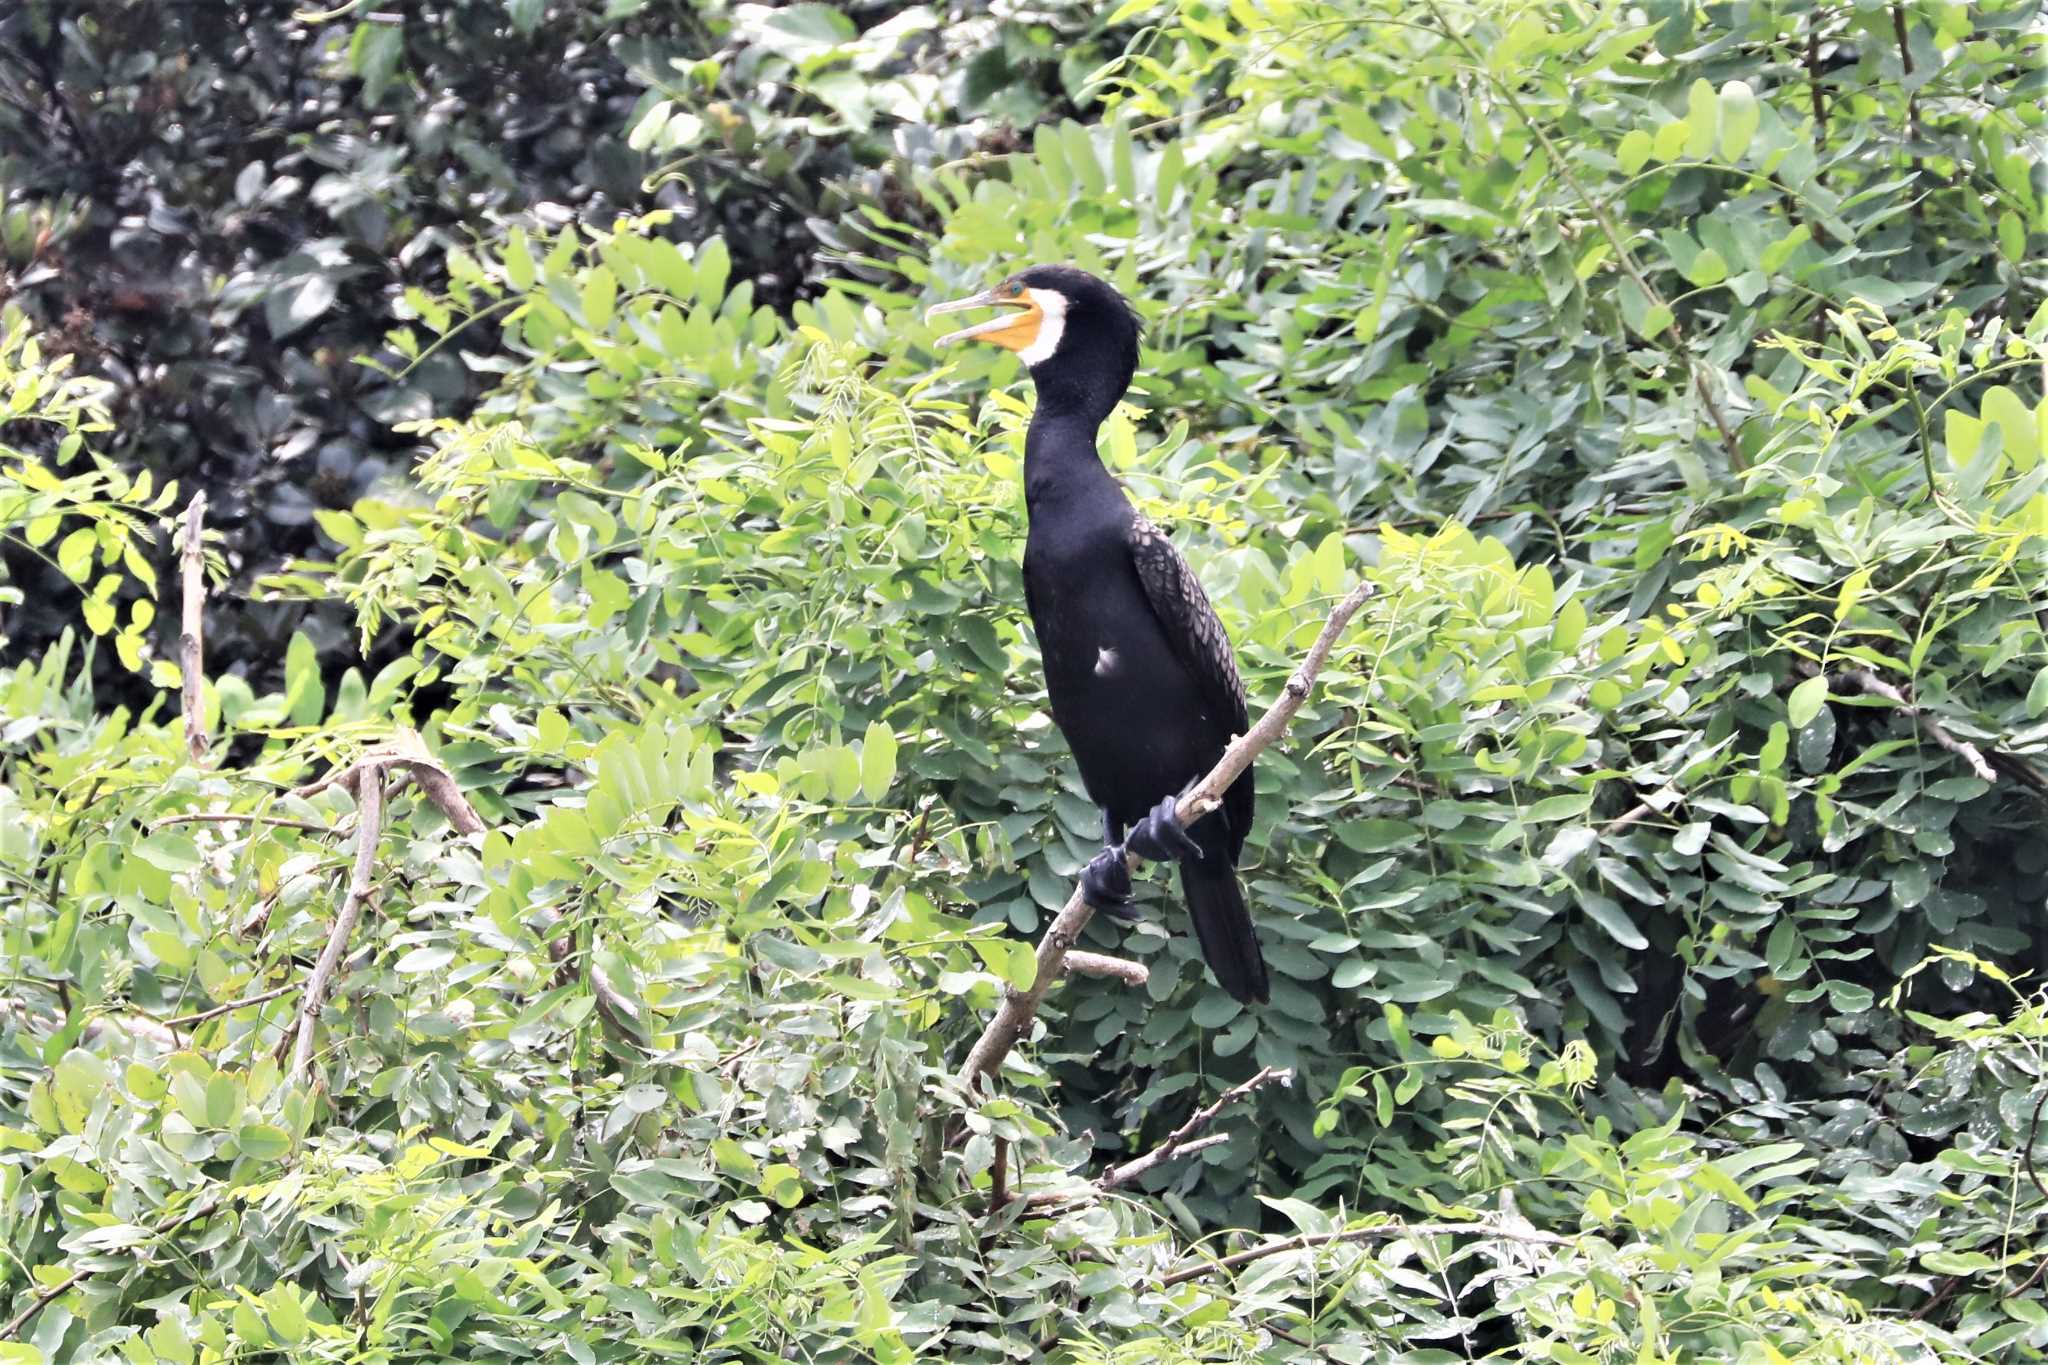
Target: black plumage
[{"x": 1140, "y": 673}]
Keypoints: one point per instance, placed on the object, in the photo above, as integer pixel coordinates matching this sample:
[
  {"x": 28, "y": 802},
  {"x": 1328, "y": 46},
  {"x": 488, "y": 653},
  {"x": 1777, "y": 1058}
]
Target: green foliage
[{"x": 1649, "y": 886}]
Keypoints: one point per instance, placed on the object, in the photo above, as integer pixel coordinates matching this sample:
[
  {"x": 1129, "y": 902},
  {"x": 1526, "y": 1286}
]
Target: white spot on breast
[{"x": 1105, "y": 661}]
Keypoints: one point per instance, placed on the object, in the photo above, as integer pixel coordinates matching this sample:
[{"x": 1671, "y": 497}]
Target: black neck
[{"x": 1059, "y": 455}]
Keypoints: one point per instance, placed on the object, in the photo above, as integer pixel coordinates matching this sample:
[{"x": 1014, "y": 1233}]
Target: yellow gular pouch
[{"x": 1032, "y": 330}]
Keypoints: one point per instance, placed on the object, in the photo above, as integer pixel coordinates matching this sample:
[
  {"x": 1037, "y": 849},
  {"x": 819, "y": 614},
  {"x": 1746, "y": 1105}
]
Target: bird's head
[{"x": 1075, "y": 333}]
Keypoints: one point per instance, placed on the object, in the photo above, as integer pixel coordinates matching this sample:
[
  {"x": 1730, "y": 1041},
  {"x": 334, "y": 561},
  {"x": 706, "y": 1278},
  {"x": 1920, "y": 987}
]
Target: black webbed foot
[
  {"x": 1161, "y": 838},
  {"x": 1106, "y": 882}
]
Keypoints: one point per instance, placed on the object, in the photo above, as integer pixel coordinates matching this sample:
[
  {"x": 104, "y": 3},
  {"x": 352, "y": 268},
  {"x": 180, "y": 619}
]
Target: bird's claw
[
  {"x": 1106, "y": 883},
  {"x": 1161, "y": 838}
]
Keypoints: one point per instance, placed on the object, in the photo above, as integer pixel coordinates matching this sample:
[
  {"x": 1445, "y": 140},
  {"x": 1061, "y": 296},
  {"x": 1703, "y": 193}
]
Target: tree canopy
[{"x": 618, "y": 788}]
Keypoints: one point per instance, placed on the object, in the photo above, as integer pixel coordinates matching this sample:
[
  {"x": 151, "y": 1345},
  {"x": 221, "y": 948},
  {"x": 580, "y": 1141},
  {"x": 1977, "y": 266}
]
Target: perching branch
[
  {"x": 1177, "y": 1143},
  {"x": 369, "y": 785},
  {"x": 192, "y": 628},
  {"x": 1020, "y": 1007},
  {"x": 1381, "y": 1231}
]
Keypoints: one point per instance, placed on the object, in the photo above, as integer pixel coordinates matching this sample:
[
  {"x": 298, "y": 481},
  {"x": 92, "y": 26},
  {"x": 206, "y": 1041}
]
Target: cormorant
[{"x": 1142, "y": 679}]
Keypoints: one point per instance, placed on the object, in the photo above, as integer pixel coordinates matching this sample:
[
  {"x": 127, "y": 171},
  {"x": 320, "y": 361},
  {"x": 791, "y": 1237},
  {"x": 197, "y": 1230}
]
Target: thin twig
[
  {"x": 1281, "y": 1332},
  {"x": 1381, "y": 1231},
  {"x": 369, "y": 828},
  {"x": 1868, "y": 682},
  {"x": 192, "y": 629},
  {"x": 1102, "y": 964},
  {"x": 203, "y": 1209},
  {"x": 2027, "y": 1152},
  {"x": 1639, "y": 811},
  {"x": 240, "y": 818},
  {"x": 1177, "y": 1143},
  {"x": 1820, "y": 108},
  {"x": 188, "y": 1020},
  {"x": 1020, "y": 1007}
]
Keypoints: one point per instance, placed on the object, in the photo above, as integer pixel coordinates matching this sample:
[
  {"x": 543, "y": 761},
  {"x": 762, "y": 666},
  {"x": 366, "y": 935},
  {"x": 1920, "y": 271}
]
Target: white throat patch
[{"x": 1052, "y": 323}]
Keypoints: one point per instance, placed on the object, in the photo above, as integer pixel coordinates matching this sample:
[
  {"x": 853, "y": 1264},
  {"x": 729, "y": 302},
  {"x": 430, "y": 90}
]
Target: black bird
[{"x": 1140, "y": 672}]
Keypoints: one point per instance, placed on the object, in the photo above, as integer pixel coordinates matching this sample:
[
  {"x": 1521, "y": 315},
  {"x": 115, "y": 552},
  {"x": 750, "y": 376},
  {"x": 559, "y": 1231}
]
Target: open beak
[{"x": 1012, "y": 331}]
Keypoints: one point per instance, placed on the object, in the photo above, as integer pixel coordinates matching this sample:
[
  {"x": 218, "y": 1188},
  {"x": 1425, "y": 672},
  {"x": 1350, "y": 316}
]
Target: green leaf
[
  {"x": 841, "y": 767},
  {"x": 305, "y": 693},
  {"x": 782, "y": 1183},
  {"x": 75, "y": 552},
  {"x": 1740, "y": 118},
  {"x": 1707, "y": 268},
  {"x": 1963, "y": 434},
  {"x": 1805, "y": 702},
  {"x": 1634, "y": 152},
  {"x": 421, "y": 960},
  {"x": 600, "y": 289},
  {"x": 263, "y": 1141},
  {"x": 170, "y": 851},
  {"x": 1612, "y": 919},
  {"x": 2015, "y": 420},
  {"x": 2012, "y": 237},
  {"x": 650, "y": 125},
  {"x": 877, "y": 761},
  {"x": 1562, "y": 807},
  {"x": 1702, "y": 120},
  {"x": 714, "y": 264},
  {"x": 2037, "y": 695},
  {"x": 298, "y": 302},
  {"x": 1628, "y": 880}
]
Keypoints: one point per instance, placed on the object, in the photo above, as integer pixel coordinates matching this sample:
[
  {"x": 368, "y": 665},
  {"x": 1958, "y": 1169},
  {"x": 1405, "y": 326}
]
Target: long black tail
[{"x": 1223, "y": 926}]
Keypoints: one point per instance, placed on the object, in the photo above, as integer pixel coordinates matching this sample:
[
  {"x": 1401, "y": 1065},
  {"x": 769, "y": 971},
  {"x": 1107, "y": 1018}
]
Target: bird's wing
[{"x": 1191, "y": 625}]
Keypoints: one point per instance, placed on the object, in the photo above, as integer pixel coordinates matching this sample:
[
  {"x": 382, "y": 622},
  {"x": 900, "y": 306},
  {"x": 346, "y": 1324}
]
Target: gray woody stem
[
  {"x": 1178, "y": 1142},
  {"x": 1020, "y": 1007},
  {"x": 369, "y": 787},
  {"x": 192, "y": 628}
]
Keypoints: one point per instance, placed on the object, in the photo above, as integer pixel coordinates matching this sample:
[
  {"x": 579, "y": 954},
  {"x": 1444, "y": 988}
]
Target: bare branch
[
  {"x": 1020, "y": 1007},
  {"x": 188, "y": 1020},
  {"x": 612, "y": 1006},
  {"x": 192, "y": 628},
  {"x": 369, "y": 828},
  {"x": 1177, "y": 1143},
  {"x": 1378, "y": 1232},
  {"x": 1102, "y": 964},
  {"x": 1863, "y": 680},
  {"x": 135, "y": 1026},
  {"x": 1641, "y": 810},
  {"x": 407, "y": 754},
  {"x": 222, "y": 817}
]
